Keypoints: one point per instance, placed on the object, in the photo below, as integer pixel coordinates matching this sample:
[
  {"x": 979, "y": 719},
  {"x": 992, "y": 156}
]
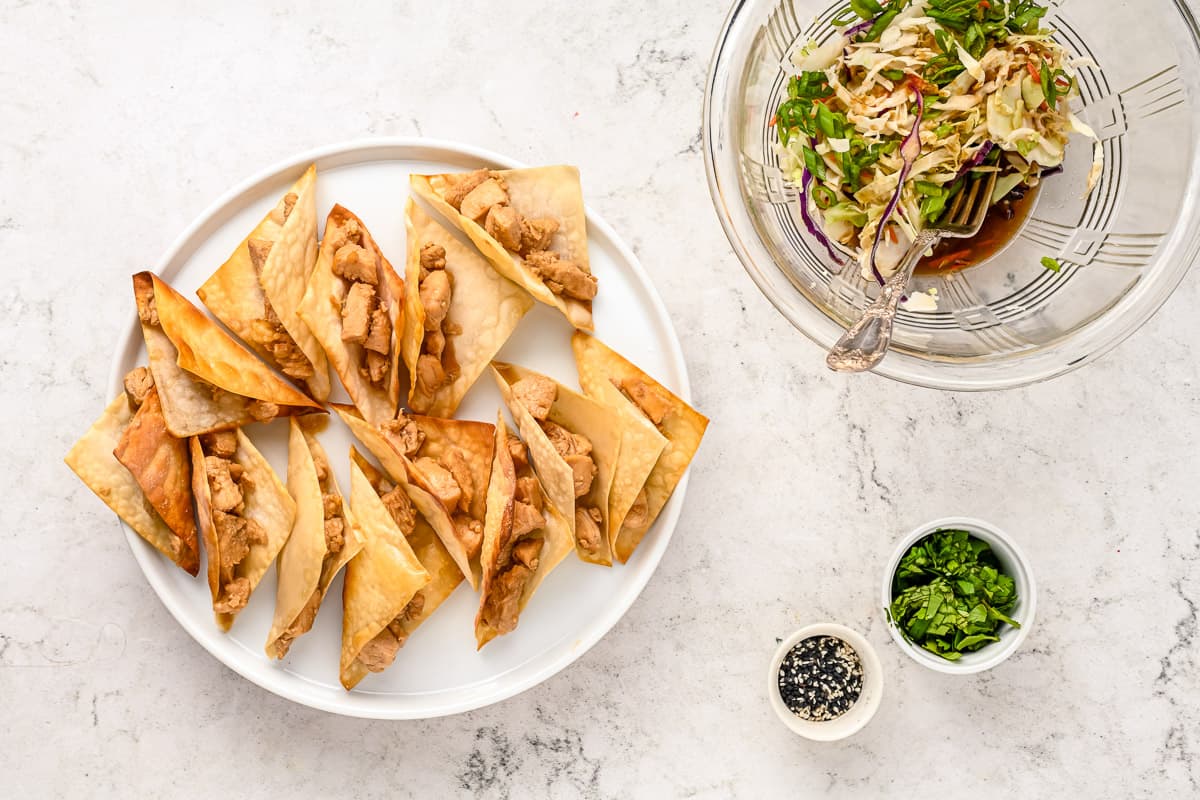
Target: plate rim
[{"x": 357, "y": 151}]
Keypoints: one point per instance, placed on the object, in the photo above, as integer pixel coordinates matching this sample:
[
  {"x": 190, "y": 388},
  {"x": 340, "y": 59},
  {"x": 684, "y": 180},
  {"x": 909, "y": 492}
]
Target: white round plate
[{"x": 438, "y": 671}]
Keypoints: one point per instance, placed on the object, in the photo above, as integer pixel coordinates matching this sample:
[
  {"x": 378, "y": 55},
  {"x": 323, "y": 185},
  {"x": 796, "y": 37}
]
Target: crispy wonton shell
[
  {"x": 552, "y": 192},
  {"x": 497, "y": 534},
  {"x": 484, "y": 306},
  {"x": 380, "y": 580},
  {"x": 206, "y": 380},
  {"x": 321, "y": 310},
  {"x": 238, "y": 291},
  {"x": 445, "y": 576},
  {"x": 92, "y": 459},
  {"x": 578, "y": 414},
  {"x": 475, "y": 440},
  {"x": 302, "y": 566},
  {"x": 266, "y": 502},
  {"x": 600, "y": 370}
]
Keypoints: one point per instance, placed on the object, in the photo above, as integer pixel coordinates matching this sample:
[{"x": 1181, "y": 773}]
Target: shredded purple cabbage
[
  {"x": 813, "y": 228},
  {"x": 865, "y": 25},
  {"x": 976, "y": 159},
  {"x": 910, "y": 151}
]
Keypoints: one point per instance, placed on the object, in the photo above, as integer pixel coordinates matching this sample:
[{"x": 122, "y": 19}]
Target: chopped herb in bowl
[{"x": 950, "y": 594}]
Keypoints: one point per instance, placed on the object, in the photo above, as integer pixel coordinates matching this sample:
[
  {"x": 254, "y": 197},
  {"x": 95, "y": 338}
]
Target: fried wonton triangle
[
  {"x": 257, "y": 291},
  {"x": 206, "y": 381},
  {"x": 530, "y": 223},
  {"x": 380, "y": 582},
  {"x": 323, "y": 539},
  {"x": 614, "y": 381},
  {"x": 352, "y": 305},
  {"x": 92, "y": 459},
  {"x": 455, "y": 321},
  {"x": 524, "y": 538},
  {"x": 450, "y": 461},
  {"x": 444, "y": 574},
  {"x": 245, "y": 516},
  {"x": 574, "y": 443}
]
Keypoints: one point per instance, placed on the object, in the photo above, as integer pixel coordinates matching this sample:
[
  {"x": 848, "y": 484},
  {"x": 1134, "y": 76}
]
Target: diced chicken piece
[
  {"x": 331, "y": 505},
  {"x": 516, "y": 449},
  {"x": 356, "y": 313},
  {"x": 289, "y": 202},
  {"x": 235, "y": 537},
  {"x": 430, "y": 375},
  {"x": 503, "y": 604},
  {"x": 463, "y": 185},
  {"x": 262, "y": 411},
  {"x": 562, "y": 276},
  {"x": 226, "y": 494},
  {"x": 480, "y": 200},
  {"x": 401, "y": 508},
  {"x": 530, "y": 491},
  {"x": 335, "y": 535},
  {"x": 504, "y": 225},
  {"x": 587, "y": 531},
  {"x": 234, "y": 597},
  {"x": 356, "y": 263},
  {"x": 456, "y": 462},
  {"x": 349, "y": 232},
  {"x": 411, "y": 611},
  {"x": 405, "y": 433},
  {"x": 433, "y": 257},
  {"x": 536, "y": 234},
  {"x": 526, "y": 518},
  {"x": 527, "y": 551},
  {"x": 434, "y": 343},
  {"x": 469, "y": 532},
  {"x": 259, "y": 249},
  {"x": 301, "y": 625},
  {"x": 653, "y": 402},
  {"x": 536, "y": 394},
  {"x": 221, "y": 443},
  {"x": 138, "y": 383},
  {"x": 377, "y": 367},
  {"x": 583, "y": 472},
  {"x": 379, "y": 337},
  {"x": 638, "y": 514},
  {"x": 290, "y": 358},
  {"x": 435, "y": 298},
  {"x": 322, "y": 466},
  {"x": 148, "y": 309},
  {"x": 441, "y": 483},
  {"x": 379, "y": 653},
  {"x": 565, "y": 442}
]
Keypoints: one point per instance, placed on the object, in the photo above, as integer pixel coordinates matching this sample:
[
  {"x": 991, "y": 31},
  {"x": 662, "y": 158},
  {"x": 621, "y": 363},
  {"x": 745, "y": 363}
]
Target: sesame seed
[{"x": 820, "y": 678}]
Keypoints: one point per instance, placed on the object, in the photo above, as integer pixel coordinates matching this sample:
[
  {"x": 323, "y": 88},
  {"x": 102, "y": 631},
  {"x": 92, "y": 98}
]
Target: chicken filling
[
  {"x": 335, "y": 540},
  {"x": 236, "y": 534},
  {"x": 517, "y": 560},
  {"x": 447, "y": 477},
  {"x": 650, "y": 400},
  {"x": 366, "y": 320},
  {"x": 379, "y": 653},
  {"x": 537, "y": 394},
  {"x": 482, "y": 196},
  {"x": 268, "y": 331},
  {"x": 436, "y": 365}
]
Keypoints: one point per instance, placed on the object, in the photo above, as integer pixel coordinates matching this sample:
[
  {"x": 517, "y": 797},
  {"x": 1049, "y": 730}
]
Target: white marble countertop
[{"x": 117, "y": 128}]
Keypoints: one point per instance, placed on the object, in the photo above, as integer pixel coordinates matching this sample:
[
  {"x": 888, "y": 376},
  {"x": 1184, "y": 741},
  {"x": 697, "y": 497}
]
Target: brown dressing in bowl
[{"x": 1003, "y": 222}]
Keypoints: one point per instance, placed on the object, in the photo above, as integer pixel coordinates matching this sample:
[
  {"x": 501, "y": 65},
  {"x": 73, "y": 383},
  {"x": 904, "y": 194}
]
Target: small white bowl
[
  {"x": 1012, "y": 561},
  {"x": 863, "y": 709}
]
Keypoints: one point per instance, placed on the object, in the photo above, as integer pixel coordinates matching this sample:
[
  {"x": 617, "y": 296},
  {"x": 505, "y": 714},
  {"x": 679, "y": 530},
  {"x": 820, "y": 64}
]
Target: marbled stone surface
[{"x": 119, "y": 122}]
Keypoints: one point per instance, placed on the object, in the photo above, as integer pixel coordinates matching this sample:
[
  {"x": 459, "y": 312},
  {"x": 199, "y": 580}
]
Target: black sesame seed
[{"x": 820, "y": 678}]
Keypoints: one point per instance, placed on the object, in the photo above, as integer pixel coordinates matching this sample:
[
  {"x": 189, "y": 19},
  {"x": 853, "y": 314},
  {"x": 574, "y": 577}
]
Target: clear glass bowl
[{"x": 1007, "y": 321}]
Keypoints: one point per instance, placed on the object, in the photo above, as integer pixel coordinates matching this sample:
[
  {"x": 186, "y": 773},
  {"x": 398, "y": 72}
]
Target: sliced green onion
[
  {"x": 944, "y": 130},
  {"x": 892, "y": 74},
  {"x": 826, "y": 122},
  {"x": 928, "y": 189},
  {"x": 844, "y": 17},
  {"x": 823, "y": 196},
  {"x": 1051, "y": 264},
  {"x": 814, "y": 162},
  {"x": 867, "y": 9}
]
